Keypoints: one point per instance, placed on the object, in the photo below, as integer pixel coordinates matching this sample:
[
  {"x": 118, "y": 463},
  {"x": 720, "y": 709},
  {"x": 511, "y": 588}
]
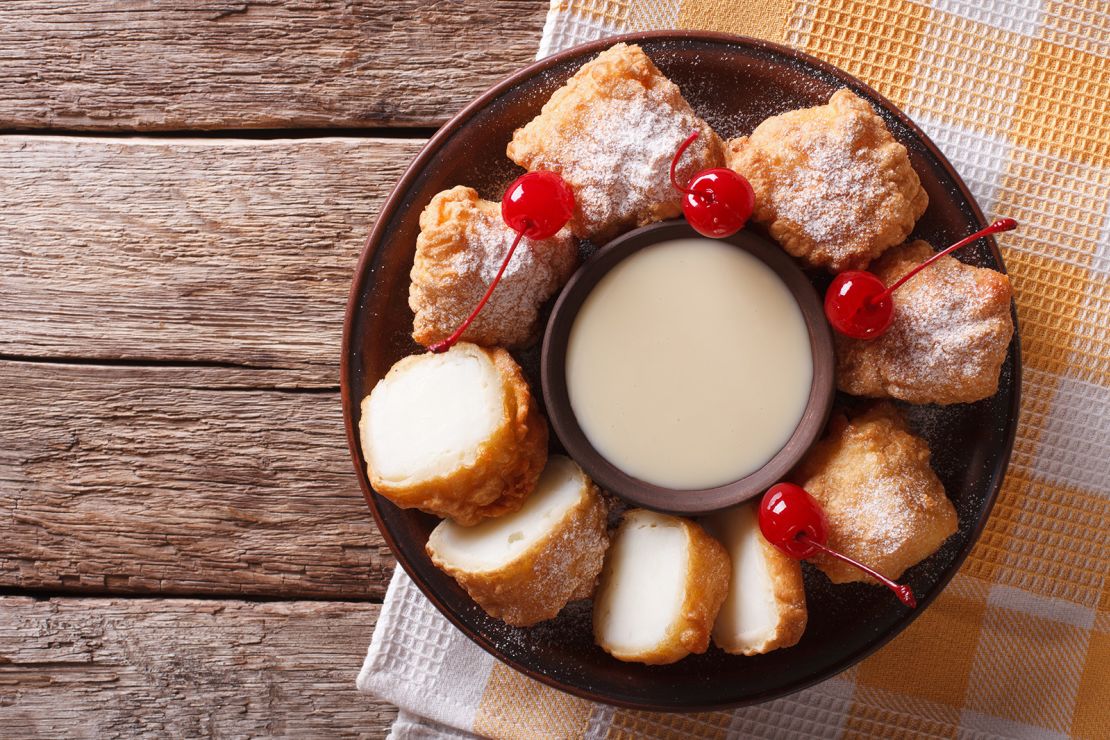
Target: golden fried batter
[
  {"x": 766, "y": 604},
  {"x": 463, "y": 241},
  {"x": 648, "y": 612},
  {"x": 468, "y": 461},
  {"x": 611, "y": 132},
  {"x": 885, "y": 505},
  {"x": 524, "y": 567},
  {"x": 949, "y": 337},
  {"x": 833, "y": 186}
]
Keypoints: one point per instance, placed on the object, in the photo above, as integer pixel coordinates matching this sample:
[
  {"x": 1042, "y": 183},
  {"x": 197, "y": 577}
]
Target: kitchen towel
[{"x": 1016, "y": 93}]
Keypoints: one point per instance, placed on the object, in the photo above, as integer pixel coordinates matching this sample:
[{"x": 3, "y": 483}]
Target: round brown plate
[{"x": 734, "y": 83}]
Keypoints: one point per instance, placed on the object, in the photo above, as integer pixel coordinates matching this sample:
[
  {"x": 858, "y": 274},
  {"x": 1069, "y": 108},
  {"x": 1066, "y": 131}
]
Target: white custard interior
[
  {"x": 641, "y": 594},
  {"x": 430, "y": 415},
  {"x": 494, "y": 543},
  {"x": 689, "y": 364},
  {"x": 750, "y": 615}
]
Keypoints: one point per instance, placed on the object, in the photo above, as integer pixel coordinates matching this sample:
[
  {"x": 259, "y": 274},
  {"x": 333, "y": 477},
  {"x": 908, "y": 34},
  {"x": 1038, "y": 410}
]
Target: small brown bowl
[{"x": 641, "y": 493}]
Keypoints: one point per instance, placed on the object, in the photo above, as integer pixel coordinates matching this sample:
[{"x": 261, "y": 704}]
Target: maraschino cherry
[
  {"x": 536, "y": 205},
  {"x": 717, "y": 202},
  {"x": 858, "y": 305},
  {"x": 793, "y": 522}
]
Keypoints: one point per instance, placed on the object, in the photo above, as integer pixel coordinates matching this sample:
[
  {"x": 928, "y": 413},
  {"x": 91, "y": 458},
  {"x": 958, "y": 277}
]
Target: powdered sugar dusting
[
  {"x": 884, "y": 503},
  {"x": 834, "y": 189},
  {"x": 831, "y": 182},
  {"x": 939, "y": 332},
  {"x": 949, "y": 337},
  {"x": 879, "y": 520},
  {"x": 535, "y": 272},
  {"x": 620, "y": 158},
  {"x": 616, "y": 151}
]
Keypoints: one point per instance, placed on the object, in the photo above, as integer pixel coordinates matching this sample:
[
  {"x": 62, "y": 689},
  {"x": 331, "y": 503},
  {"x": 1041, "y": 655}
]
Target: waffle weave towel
[{"x": 1016, "y": 93}]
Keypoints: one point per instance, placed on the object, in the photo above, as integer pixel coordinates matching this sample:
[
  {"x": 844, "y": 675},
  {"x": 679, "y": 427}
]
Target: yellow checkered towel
[{"x": 1016, "y": 93}]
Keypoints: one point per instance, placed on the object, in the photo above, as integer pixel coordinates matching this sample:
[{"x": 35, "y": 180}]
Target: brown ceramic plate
[{"x": 734, "y": 83}]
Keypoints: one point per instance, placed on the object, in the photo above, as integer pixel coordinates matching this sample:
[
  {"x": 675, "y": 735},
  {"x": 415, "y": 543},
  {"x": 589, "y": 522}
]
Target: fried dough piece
[
  {"x": 463, "y": 241},
  {"x": 885, "y": 506},
  {"x": 948, "y": 340},
  {"x": 524, "y": 567},
  {"x": 832, "y": 185},
  {"x": 611, "y": 132},
  {"x": 663, "y": 583},
  {"x": 766, "y": 605},
  {"x": 455, "y": 434}
]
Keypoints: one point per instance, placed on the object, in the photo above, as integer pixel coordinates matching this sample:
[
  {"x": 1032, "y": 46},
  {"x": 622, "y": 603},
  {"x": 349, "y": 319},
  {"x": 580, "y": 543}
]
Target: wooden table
[{"x": 184, "y": 189}]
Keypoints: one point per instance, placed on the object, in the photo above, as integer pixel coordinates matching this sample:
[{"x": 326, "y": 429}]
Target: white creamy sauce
[{"x": 689, "y": 365}]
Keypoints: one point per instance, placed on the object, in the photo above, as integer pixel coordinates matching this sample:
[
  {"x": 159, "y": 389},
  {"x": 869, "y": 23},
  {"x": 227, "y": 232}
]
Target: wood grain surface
[
  {"x": 180, "y": 668},
  {"x": 187, "y": 480},
  {"x": 192, "y": 250},
  {"x": 225, "y": 64},
  {"x": 170, "y": 319}
]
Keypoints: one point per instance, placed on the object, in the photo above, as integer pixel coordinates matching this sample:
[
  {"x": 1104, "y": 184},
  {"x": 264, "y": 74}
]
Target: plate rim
[{"x": 394, "y": 201}]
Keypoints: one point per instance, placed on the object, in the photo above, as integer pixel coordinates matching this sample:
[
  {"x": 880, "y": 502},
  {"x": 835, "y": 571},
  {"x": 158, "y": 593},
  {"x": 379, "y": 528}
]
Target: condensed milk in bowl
[{"x": 688, "y": 374}]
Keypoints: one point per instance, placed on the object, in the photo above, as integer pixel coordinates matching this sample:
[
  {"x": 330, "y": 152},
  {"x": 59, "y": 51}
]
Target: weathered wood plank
[
  {"x": 179, "y": 481},
  {"x": 188, "y": 64},
  {"x": 104, "y": 668},
  {"x": 186, "y": 249}
]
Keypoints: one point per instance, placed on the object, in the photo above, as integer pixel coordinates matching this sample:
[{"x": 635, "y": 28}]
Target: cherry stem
[
  {"x": 903, "y": 592},
  {"x": 1002, "y": 224},
  {"x": 450, "y": 341},
  {"x": 674, "y": 163}
]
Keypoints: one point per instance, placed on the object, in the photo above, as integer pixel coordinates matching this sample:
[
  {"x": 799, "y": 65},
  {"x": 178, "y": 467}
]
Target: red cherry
[
  {"x": 793, "y": 522},
  {"x": 717, "y": 202},
  {"x": 853, "y": 307},
  {"x": 858, "y": 305},
  {"x": 536, "y": 205}
]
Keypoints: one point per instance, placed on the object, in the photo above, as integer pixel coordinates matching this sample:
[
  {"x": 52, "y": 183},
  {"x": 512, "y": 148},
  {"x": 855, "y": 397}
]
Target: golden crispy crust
[
  {"x": 949, "y": 338},
  {"x": 505, "y": 468},
  {"x": 784, "y": 574},
  {"x": 706, "y": 588},
  {"x": 611, "y": 132},
  {"x": 561, "y": 567},
  {"x": 885, "y": 505},
  {"x": 462, "y": 242},
  {"x": 707, "y": 577},
  {"x": 833, "y": 186},
  {"x": 790, "y": 599}
]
